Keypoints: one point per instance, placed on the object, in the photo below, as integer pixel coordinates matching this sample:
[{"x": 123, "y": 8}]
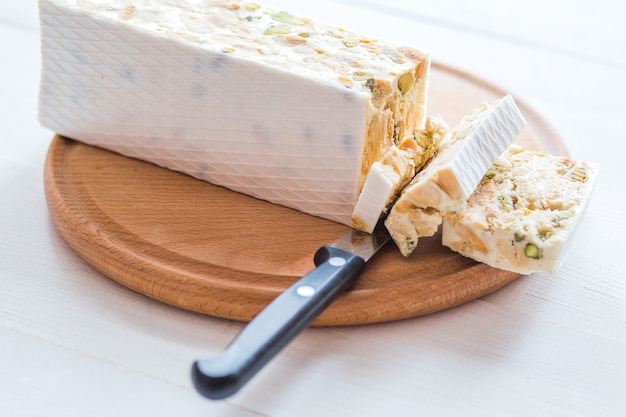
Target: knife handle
[{"x": 277, "y": 324}]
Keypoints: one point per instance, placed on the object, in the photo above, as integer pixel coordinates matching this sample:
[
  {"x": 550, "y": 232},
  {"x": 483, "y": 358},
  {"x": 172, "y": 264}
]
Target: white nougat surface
[{"x": 238, "y": 123}]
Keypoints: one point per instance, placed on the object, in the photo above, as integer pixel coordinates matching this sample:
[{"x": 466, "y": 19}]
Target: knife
[{"x": 337, "y": 266}]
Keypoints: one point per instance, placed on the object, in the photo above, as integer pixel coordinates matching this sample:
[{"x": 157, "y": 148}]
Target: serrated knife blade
[{"x": 337, "y": 266}]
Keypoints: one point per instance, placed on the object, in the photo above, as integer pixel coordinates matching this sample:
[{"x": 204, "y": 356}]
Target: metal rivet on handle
[
  {"x": 305, "y": 291},
  {"x": 337, "y": 261}
]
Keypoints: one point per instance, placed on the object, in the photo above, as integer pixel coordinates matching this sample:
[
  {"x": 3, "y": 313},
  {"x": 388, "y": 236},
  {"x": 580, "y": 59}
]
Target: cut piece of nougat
[
  {"x": 444, "y": 185},
  {"x": 394, "y": 171},
  {"x": 524, "y": 212}
]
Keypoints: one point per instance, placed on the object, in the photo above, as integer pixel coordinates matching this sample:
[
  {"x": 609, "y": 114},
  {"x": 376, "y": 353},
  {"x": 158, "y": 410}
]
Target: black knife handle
[{"x": 277, "y": 324}]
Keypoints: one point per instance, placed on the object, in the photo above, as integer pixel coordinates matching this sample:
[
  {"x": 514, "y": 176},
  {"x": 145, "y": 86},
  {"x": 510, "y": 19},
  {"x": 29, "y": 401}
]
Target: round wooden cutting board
[{"x": 204, "y": 248}]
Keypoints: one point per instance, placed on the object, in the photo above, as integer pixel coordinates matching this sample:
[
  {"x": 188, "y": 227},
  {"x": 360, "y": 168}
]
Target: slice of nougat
[
  {"x": 259, "y": 100},
  {"x": 523, "y": 214},
  {"x": 444, "y": 185},
  {"x": 391, "y": 174}
]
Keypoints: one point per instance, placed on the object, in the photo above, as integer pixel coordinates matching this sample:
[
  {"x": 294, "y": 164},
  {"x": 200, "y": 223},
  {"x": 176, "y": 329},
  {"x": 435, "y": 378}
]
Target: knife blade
[{"x": 337, "y": 266}]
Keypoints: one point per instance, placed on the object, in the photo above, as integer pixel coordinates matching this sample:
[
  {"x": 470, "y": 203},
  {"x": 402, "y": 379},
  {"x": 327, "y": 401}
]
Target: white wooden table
[{"x": 74, "y": 343}]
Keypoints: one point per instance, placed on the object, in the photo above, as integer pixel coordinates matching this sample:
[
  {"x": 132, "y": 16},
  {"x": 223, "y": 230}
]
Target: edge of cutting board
[{"x": 207, "y": 249}]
